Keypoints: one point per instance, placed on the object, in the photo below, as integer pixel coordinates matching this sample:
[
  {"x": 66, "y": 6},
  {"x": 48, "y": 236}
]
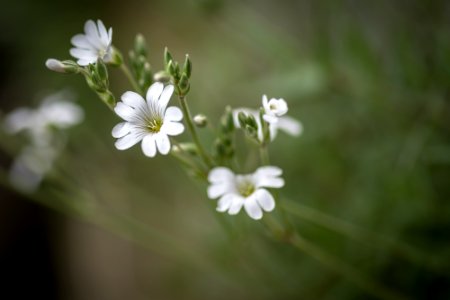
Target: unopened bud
[
  {"x": 200, "y": 120},
  {"x": 102, "y": 70},
  {"x": 65, "y": 67},
  {"x": 187, "y": 67},
  {"x": 139, "y": 45},
  {"x": 162, "y": 76},
  {"x": 117, "y": 58},
  {"x": 167, "y": 57}
]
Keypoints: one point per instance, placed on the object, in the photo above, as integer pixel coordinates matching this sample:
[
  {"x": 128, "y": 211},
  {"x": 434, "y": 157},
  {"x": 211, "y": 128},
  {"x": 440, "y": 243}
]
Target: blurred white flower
[
  {"x": 148, "y": 121},
  {"x": 54, "y": 111},
  {"x": 36, "y": 159},
  {"x": 285, "y": 123},
  {"x": 273, "y": 109},
  {"x": 95, "y": 43},
  {"x": 237, "y": 190}
]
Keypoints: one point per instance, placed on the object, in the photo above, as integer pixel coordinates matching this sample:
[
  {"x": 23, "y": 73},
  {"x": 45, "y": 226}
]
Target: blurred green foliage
[{"x": 370, "y": 82}]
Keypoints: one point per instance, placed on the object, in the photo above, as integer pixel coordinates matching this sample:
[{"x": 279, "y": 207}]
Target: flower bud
[
  {"x": 65, "y": 67},
  {"x": 162, "y": 76},
  {"x": 187, "y": 67},
  {"x": 101, "y": 70},
  {"x": 139, "y": 45},
  {"x": 117, "y": 58},
  {"x": 200, "y": 120},
  {"x": 167, "y": 57}
]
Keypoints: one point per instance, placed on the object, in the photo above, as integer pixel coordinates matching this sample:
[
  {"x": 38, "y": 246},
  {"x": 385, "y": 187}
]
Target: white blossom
[
  {"x": 95, "y": 43},
  {"x": 235, "y": 190},
  {"x": 148, "y": 121},
  {"x": 54, "y": 112},
  {"x": 273, "y": 109},
  {"x": 285, "y": 123}
]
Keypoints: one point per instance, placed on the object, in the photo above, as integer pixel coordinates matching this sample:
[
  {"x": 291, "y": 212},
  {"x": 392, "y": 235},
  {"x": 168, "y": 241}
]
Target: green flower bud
[
  {"x": 167, "y": 57},
  {"x": 184, "y": 83},
  {"x": 117, "y": 58},
  {"x": 187, "y": 67},
  {"x": 242, "y": 118},
  {"x": 140, "y": 46},
  {"x": 101, "y": 70}
]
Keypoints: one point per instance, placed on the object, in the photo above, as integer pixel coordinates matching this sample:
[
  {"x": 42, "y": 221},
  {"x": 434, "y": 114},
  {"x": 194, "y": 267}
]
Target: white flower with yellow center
[
  {"x": 148, "y": 121},
  {"x": 248, "y": 190},
  {"x": 95, "y": 43},
  {"x": 273, "y": 109}
]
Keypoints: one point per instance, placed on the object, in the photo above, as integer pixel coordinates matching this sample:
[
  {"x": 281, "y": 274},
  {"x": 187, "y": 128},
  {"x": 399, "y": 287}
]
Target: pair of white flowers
[{"x": 148, "y": 120}]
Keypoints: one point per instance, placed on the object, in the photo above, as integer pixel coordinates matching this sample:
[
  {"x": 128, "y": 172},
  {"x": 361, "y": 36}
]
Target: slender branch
[
  {"x": 130, "y": 78},
  {"x": 362, "y": 235},
  {"x": 191, "y": 127}
]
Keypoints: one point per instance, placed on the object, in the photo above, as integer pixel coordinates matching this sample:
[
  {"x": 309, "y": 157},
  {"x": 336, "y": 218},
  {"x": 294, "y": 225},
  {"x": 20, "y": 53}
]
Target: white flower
[
  {"x": 285, "y": 123},
  {"x": 273, "y": 109},
  {"x": 248, "y": 190},
  {"x": 94, "y": 44},
  {"x": 53, "y": 112},
  {"x": 148, "y": 121}
]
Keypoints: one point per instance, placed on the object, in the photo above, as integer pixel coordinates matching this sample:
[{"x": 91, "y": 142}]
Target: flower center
[
  {"x": 273, "y": 106},
  {"x": 154, "y": 125},
  {"x": 245, "y": 187}
]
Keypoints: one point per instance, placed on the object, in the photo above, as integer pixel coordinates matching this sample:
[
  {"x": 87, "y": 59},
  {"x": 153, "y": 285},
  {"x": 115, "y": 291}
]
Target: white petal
[
  {"x": 269, "y": 171},
  {"x": 124, "y": 111},
  {"x": 290, "y": 125},
  {"x": 132, "y": 99},
  {"x": 270, "y": 118},
  {"x": 83, "y": 53},
  {"x": 173, "y": 113},
  {"x": 19, "y": 120},
  {"x": 271, "y": 182},
  {"x": 102, "y": 33},
  {"x": 172, "y": 128},
  {"x": 121, "y": 129},
  {"x": 110, "y": 32},
  {"x": 163, "y": 143},
  {"x": 224, "y": 202},
  {"x": 220, "y": 174},
  {"x": 90, "y": 28},
  {"x": 148, "y": 145},
  {"x": 128, "y": 141},
  {"x": 265, "y": 102},
  {"x": 80, "y": 41},
  {"x": 236, "y": 204},
  {"x": 165, "y": 96},
  {"x": 282, "y": 107},
  {"x": 154, "y": 92},
  {"x": 264, "y": 199},
  {"x": 252, "y": 208},
  {"x": 84, "y": 62},
  {"x": 218, "y": 189}
]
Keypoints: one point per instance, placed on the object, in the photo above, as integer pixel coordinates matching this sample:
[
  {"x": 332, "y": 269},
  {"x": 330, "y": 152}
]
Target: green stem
[
  {"x": 191, "y": 127},
  {"x": 264, "y": 154},
  {"x": 130, "y": 78},
  {"x": 362, "y": 235}
]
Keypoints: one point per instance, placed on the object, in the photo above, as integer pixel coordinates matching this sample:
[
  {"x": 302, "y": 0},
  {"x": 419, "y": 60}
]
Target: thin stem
[
  {"x": 191, "y": 127},
  {"x": 343, "y": 269},
  {"x": 264, "y": 154},
  {"x": 130, "y": 78},
  {"x": 362, "y": 235}
]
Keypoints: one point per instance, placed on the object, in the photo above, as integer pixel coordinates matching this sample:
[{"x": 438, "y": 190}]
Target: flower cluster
[{"x": 149, "y": 121}]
